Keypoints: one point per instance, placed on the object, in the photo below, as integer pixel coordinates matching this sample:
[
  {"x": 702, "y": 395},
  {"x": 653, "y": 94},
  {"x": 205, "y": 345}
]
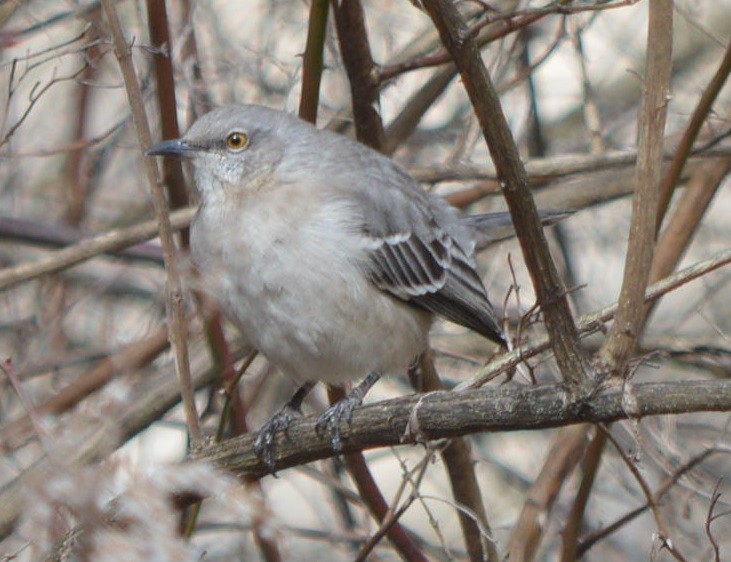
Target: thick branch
[
  {"x": 362, "y": 73},
  {"x": 437, "y": 415},
  {"x": 571, "y": 359}
]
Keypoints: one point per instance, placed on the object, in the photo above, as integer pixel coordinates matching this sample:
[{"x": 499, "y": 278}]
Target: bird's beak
[{"x": 172, "y": 147}]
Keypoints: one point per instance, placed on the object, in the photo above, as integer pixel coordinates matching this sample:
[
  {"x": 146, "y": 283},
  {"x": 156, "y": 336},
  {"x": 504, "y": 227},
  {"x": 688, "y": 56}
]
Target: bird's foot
[
  {"x": 264, "y": 443},
  {"x": 343, "y": 410}
]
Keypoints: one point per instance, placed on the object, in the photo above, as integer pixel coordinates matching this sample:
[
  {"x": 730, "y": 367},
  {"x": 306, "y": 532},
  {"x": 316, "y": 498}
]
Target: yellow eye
[{"x": 237, "y": 141}]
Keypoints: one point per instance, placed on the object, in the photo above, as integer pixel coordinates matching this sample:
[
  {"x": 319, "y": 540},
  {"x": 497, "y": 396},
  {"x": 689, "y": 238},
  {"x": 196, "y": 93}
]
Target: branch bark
[
  {"x": 438, "y": 415},
  {"x": 617, "y": 349},
  {"x": 571, "y": 359}
]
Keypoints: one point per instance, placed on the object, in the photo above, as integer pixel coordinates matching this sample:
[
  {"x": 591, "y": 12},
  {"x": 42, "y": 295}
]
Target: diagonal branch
[{"x": 572, "y": 361}]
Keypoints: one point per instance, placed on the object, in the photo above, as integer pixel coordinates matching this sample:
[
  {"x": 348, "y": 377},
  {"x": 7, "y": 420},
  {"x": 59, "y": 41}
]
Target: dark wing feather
[{"x": 436, "y": 275}]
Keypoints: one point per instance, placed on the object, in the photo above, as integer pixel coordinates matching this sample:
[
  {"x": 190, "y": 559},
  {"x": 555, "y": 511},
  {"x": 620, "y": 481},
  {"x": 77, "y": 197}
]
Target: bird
[{"x": 327, "y": 255}]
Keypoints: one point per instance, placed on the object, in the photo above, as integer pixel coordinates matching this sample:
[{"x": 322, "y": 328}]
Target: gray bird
[{"x": 328, "y": 256}]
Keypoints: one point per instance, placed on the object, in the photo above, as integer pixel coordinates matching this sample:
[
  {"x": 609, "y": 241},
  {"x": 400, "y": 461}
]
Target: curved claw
[
  {"x": 343, "y": 410},
  {"x": 264, "y": 443},
  {"x": 331, "y": 418}
]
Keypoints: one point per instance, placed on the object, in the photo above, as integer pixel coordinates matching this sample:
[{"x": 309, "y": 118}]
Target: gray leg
[
  {"x": 264, "y": 443},
  {"x": 343, "y": 410}
]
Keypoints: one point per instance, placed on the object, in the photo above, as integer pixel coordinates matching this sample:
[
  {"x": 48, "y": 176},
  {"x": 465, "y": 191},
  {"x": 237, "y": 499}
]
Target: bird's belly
[{"x": 302, "y": 301}]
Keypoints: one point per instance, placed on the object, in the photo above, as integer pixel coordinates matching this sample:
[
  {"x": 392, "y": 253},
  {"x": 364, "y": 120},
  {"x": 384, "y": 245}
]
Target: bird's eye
[{"x": 237, "y": 141}]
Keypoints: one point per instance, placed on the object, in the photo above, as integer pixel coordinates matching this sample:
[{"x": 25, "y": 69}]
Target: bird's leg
[
  {"x": 343, "y": 410},
  {"x": 264, "y": 443}
]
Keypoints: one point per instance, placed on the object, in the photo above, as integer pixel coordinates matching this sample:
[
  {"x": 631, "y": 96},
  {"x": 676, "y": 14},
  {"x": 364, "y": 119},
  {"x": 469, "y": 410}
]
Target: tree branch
[
  {"x": 438, "y": 415},
  {"x": 572, "y": 361}
]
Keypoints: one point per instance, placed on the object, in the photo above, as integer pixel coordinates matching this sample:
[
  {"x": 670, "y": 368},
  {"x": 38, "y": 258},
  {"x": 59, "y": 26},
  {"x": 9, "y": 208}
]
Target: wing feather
[{"x": 434, "y": 274}]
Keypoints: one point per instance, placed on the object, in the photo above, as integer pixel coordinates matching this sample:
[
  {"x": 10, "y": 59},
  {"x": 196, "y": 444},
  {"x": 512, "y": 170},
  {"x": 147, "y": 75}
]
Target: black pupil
[{"x": 236, "y": 139}]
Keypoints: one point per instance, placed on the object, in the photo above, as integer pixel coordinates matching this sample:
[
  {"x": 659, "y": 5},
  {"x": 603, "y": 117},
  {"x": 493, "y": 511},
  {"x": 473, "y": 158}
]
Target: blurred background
[{"x": 88, "y": 344}]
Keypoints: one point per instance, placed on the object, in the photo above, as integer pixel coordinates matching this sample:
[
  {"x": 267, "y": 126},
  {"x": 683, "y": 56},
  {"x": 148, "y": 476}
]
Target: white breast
[{"x": 295, "y": 288}]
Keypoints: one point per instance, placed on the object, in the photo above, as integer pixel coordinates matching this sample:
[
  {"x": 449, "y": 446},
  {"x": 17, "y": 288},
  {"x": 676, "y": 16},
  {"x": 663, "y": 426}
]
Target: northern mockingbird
[{"x": 328, "y": 256}]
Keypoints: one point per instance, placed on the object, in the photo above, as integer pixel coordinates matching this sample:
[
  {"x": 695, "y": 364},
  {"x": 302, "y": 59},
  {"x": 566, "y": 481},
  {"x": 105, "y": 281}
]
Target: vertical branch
[
  {"x": 563, "y": 456},
  {"x": 615, "y": 353},
  {"x": 313, "y": 61},
  {"x": 462, "y": 479},
  {"x": 570, "y": 357},
  {"x": 362, "y": 74},
  {"x": 172, "y": 168},
  {"x": 174, "y": 301},
  {"x": 372, "y": 497},
  {"x": 201, "y": 100}
]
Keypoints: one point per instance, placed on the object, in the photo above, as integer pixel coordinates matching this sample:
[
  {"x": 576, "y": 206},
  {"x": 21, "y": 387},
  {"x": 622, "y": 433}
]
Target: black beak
[{"x": 172, "y": 147}]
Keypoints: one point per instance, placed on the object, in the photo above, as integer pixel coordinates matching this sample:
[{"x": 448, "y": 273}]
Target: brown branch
[
  {"x": 590, "y": 323},
  {"x": 364, "y": 86},
  {"x": 14, "y": 434},
  {"x": 174, "y": 298},
  {"x": 591, "y": 539},
  {"x": 562, "y": 458},
  {"x": 687, "y": 215},
  {"x": 541, "y": 170},
  {"x": 109, "y": 242},
  {"x": 457, "y": 460},
  {"x": 685, "y": 147},
  {"x": 373, "y": 499},
  {"x": 662, "y": 528},
  {"x": 312, "y": 60},
  {"x": 59, "y": 236},
  {"x": 147, "y": 402},
  {"x": 573, "y": 363},
  {"x": 615, "y": 353},
  {"x": 172, "y": 168},
  {"x": 589, "y": 468},
  {"x": 450, "y": 414}
]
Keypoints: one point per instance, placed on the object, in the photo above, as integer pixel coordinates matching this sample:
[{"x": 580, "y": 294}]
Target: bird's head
[{"x": 232, "y": 149}]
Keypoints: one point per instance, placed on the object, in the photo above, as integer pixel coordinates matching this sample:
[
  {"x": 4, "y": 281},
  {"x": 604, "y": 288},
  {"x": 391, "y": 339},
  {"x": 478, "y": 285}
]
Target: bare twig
[
  {"x": 457, "y": 460},
  {"x": 591, "y": 539},
  {"x": 662, "y": 527},
  {"x": 590, "y": 323},
  {"x": 109, "y": 242},
  {"x": 312, "y": 62},
  {"x": 615, "y": 353},
  {"x": 174, "y": 301},
  {"x": 562, "y": 457},
  {"x": 691, "y": 133},
  {"x": 377, "y": 505}
]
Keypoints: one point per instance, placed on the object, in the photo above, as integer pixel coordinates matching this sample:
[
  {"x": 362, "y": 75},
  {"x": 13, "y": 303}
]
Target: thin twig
[
  {"x": 702, "y": 109},
  {"x": 652, "y": 503},
  {"x": 109, "y": 242},
  {"x": 174, "y": 298}
]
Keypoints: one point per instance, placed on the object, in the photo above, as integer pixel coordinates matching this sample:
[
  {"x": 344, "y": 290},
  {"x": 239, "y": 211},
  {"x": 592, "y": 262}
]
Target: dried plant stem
[
  {"x": 312, "y": 62},
  {"x": 617, "y": 349},
  {"x": 572, "y": 361},
  {"x": 465, "y": 487},
  {"x": 86, "y": 249},
  {"x": 684, "y": 150},
  {"x": 372, "y": 497},
  {"x": 175, "y": 303},
  {"x": 590, "y": 323}
]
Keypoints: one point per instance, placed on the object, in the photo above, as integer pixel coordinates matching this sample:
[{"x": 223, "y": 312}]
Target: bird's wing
[
  {"x": 429, "y": 268},
  {"x": 418, "y": 249}
]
